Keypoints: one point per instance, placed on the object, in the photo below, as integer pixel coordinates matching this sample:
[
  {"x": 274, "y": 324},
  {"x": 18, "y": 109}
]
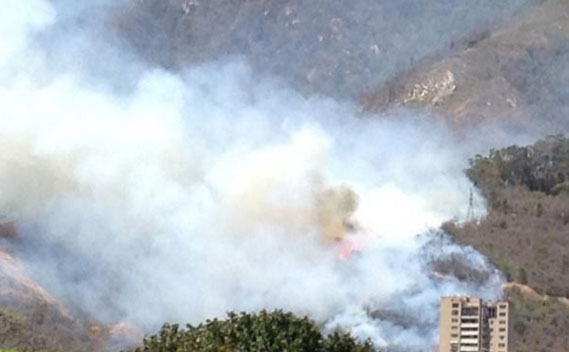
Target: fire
[{"x": 348, "y": 247}]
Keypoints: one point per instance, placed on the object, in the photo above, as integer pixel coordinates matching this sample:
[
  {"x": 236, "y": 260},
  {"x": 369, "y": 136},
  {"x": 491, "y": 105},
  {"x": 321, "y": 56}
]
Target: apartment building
[{"x": 469, "y": 324}]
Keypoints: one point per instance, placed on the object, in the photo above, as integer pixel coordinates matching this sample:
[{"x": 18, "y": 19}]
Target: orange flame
[{"x": 348, "y": 247}]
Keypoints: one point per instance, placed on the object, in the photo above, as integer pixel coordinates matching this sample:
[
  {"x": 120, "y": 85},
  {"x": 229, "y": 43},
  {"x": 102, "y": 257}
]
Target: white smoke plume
[{"x": 216, "y": 190}]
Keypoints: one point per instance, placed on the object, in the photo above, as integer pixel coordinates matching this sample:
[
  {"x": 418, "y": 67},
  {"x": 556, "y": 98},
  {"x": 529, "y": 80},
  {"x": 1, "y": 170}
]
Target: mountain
[
  {"x": 29, "y": 316},
  {"x": 32, "y": 319},
  {"x": 336, "y": 48},
  {"x": 514, "y": 75},
  {"x": 526, "y": 235},
  {"x": 473, "y": 64}
]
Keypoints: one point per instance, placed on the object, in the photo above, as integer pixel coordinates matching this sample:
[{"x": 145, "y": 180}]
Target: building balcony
[
  {"x": 469, "y": 349},
  {"x": 468, "y": 341}
]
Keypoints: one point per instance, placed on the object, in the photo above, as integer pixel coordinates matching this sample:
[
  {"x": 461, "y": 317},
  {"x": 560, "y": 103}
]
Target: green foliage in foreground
[{"x": 276, "y": 331}]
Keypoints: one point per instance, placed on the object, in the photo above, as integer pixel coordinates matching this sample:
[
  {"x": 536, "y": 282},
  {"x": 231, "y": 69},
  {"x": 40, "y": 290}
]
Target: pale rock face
[
  {"x": 511, "y": 77},
  {"x": 432, "y": 91}
]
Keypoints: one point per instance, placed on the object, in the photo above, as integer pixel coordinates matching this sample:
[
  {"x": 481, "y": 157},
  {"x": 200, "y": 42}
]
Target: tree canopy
[{"x": 264, "y": 331}]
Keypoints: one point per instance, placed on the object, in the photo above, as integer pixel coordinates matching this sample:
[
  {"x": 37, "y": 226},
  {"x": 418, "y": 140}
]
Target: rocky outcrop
[{"x": 512, "y": 74}]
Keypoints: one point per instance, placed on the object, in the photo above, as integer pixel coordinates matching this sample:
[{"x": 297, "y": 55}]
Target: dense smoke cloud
[{"x": 216, "y": 190}]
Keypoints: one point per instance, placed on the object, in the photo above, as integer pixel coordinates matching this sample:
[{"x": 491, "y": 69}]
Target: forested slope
[{"x": 526, "y": 233}]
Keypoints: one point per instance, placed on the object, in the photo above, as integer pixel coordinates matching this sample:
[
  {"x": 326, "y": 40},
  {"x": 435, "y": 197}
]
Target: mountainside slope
[
  {"x": 32, "y": 319},
  {"x": 526, "y": 234},
  {"x": 337, "y": 48},
  {"x": 29, "y": 316},
  {"x": 513, "y": 75}
]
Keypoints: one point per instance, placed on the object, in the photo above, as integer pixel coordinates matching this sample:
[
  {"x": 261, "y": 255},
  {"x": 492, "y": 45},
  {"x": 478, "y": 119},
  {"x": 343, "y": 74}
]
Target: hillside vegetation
[
  {"x": 538, "y": 324},
  {"x": 514, "y": 75},
  {"x": 470, "y": 62},
  {"x": 336, "y": 48},
  {"x": 526, "y": 234},
  {"x": 20, "y": 331}
]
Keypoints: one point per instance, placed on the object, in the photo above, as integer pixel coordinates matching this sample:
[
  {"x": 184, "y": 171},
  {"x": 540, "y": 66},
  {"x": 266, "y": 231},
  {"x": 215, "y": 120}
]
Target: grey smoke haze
[{"x": 217, "y": 190}]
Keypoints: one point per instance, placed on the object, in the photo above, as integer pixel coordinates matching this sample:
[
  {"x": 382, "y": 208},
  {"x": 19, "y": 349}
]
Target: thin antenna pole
[{"x": 470, "y": 213}]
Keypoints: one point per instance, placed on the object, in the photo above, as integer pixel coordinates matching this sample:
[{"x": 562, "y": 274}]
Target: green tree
[
  {"x": 523, "y": 276},
  {"x": 269, "y": 332}
]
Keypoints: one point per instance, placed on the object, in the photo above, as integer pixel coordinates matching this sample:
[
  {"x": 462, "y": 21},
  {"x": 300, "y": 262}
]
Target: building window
[
  {"x": 454, "y": 320},
  {"x": 502, "y": 314},
  {"x": 502, "y": 329},
  {"x": 503, "y": 306},
  {"x": 469, "y": 311},
  {"x": 454, "y": 335},
  {"x": 501, "y": 345},
  {"x": 470, "y": 329},
  {"x": 455, "y": 305},
  {"x": 455, "y": 312},
  {"x": 471, "y": 321},
  {"x": 502, "y": 322}
]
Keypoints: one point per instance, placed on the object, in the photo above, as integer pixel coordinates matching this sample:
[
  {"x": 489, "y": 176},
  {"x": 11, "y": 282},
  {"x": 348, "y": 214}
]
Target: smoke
[{"x": 217, "y": 190}]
